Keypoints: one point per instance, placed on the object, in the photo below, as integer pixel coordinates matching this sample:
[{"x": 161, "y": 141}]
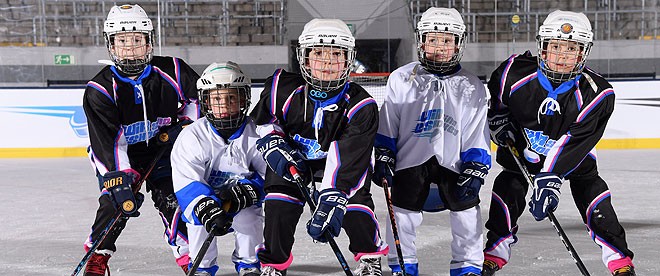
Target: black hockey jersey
[
  {"x": 124, "y": 115},
  {"x": 552, "y": 141},
  {"x": 338, "y": 132}
]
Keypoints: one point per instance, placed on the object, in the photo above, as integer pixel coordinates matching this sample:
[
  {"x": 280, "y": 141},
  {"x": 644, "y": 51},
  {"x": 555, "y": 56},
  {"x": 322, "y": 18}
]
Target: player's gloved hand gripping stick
[
  {"x": 312, "y": 205},
  {"x": 551, "y": 215},
  {"x": 122, "y": 213},
  {"x": 217, "y": 223},
  {"x": 119, "y": 214}
]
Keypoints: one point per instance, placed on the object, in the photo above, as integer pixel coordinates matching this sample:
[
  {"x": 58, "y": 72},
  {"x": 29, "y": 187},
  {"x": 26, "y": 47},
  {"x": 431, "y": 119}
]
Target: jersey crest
[
  {"x": 218, "y": 178},
  {"x": 432, "y": 121},
  {"x": 309, "y": 148},
  {"x": 539, "y": 142},
  {"x": 135, "y": 133}
]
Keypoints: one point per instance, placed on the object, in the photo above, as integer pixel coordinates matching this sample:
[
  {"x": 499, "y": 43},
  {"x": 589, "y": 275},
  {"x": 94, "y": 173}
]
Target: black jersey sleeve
[
  {"x": 349, "y": 158},
  {"x": 498, "y": 89},
  {"x": 571, "y": 148},
  {"x": 108, "y": 144},
  {"x": 268, "y": 113},
  {"x": 188, "y": 81},
  {"x": 263, "y": 113}
]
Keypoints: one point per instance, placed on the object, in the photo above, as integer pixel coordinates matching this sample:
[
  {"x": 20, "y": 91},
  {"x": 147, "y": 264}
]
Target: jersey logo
[
  {"x": 539, "y": 142},
  {"x": 135, "y": 133},
  {"x": 318, "y": 94},
  {"x": 310, "y": 148},
  {"x": 432, "y": 121},
  {"x": 218, "y": 178}
]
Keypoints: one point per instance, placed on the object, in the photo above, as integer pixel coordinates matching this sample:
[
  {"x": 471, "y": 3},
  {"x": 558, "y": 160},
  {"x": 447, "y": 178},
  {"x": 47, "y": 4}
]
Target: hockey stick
[
  {"x": 326, "y": 235},
  {"x": 205, "y": 247},
  {"x": 395, "y": 231},
  {"x": 118, "y": 214},
  {"x": 200, "y": 254},
  {"x": 551, "y": 214}
]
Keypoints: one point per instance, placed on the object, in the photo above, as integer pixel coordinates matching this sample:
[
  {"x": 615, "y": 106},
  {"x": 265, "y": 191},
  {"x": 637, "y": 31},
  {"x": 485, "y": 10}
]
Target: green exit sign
[{"x": 64, "y": 60}]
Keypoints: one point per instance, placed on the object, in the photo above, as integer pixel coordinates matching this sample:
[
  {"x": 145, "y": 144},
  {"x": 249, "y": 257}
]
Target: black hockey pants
[
  {"x": 591, "y": 196},
  {"x": 283, "y": 207}
]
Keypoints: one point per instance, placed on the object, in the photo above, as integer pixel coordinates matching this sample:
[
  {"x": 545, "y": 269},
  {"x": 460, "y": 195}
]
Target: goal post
[{"x": 374, "y": 83}]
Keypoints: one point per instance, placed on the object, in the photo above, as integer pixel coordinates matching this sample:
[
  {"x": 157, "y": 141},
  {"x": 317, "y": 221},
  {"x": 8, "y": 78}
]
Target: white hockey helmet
[
  {"x": 229, "y": 77},
  {"x": 129, "y": 19},
  {"x": 326, "y": 34},
  {"x": 441, "y": 20},
  {"x": 564, "y": 26}
]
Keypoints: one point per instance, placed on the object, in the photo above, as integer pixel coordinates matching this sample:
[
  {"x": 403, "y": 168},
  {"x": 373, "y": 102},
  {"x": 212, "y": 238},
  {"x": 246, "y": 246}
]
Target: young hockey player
[
  {"x": 126, "y": 105},
  {"x": 555, "y": 111},
  {"x": 319, "y": 122},
  {"x": 214, "y": 162},
  {"x": 432, "y": 129}
]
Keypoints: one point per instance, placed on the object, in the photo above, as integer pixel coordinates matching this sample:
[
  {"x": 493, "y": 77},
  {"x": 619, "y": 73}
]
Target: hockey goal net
[{"x": 374, "y": 83}]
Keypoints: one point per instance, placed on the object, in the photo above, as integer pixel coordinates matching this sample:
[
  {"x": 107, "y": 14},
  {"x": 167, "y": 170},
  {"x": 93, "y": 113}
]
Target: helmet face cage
[
  {"x": 326, "y": 67},
  {"x": 562, "y": 59},
  {"x": 564, "y": 42},
  {"x": 225, "y": 106},
  {"x": 131, "y": 51},
  {"x": 436, "y": 51},
  {"x": 440, "y": 36}
]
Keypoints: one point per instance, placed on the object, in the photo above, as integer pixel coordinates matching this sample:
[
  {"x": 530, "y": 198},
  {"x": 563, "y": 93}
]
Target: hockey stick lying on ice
[
  {"x": 326, "y": 235},
  {"x": 551, "y": 215},
  {"x": 118, "y": 215},
  {"x": 395, "y": 231},
  {"x": 205, "y": 247}
]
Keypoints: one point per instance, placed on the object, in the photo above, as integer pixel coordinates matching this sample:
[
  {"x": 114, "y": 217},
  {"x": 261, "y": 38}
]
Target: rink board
[{"x": 50, "y": 122}]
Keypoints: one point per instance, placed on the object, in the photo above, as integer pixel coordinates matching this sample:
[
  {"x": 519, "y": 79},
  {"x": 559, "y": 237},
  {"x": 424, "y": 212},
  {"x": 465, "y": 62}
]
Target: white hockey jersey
[
  {"x": 202, "y": 162},
  {"x": 427, "y": 115}
]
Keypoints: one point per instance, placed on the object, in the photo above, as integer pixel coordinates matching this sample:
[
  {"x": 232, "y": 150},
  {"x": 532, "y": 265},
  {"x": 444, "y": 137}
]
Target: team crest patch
[
  {"x": 566, "y": 28},
  {"x": 163, "y": 137},
  {"x": 128, "y": 205}
]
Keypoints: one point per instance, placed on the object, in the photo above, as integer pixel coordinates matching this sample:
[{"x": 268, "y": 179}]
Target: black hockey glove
[
  {"x": 501, "y": 129},
  {"x": 241, "y": 194},
  {"x": 215, "y": 219},
  {"x": 470, "y": 181},
  {"x": 168, "y": 135},
  {"x": 118, "y": 184},
  {"x": 545, "y": 195},
  {"x": 280, "y": 156},
  {"x": 384, "y": 166},
  {"x": 329, "y": 214}
]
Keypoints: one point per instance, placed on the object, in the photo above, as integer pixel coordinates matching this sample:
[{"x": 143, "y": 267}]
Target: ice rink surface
[{"x": 48, "y": 206}]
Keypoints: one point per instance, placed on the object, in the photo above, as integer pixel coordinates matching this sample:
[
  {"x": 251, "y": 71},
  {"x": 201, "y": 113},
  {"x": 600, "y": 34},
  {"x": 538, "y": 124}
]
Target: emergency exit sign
[{"x": 64, "y": 60}]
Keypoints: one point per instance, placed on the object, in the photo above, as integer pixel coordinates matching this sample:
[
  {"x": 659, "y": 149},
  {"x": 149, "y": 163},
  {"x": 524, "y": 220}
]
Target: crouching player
[{"x": 218, "y": 173}]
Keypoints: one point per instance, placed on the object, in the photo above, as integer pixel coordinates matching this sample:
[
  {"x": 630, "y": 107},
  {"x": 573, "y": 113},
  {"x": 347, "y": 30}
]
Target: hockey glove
[
  {"x": 280, "y": 156},
  {"x": 168, "y": 135},
  {"x": 545, "y": 195},
  {"x": 501, "y": 129},
  {"x": 118, "y": 184},
  {"x": 470, "y": 181},
  {"x": 329, "y": 214},
  {"x": 215, "y": 219},
  {"x": 240, "y": 193},
  {"x": 384, "y": 166}
]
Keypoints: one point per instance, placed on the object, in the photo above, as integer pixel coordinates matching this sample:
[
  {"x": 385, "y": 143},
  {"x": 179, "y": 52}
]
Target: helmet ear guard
[
  {"x": 440, "y": 20},
  {"x": 129, "y": 20},
  {"x": 326, "y": 35},
  {"x": 566, "y": 28},
  {"x": 229, "y": 78}
]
